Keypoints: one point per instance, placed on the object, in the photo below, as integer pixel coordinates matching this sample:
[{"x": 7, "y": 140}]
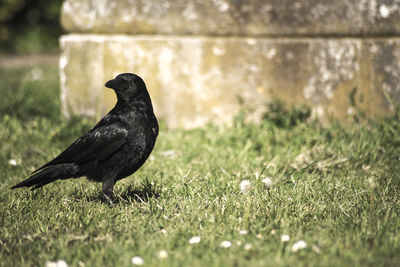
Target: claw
[
  {"x": 108, "y": 190},
  {"x": 109, "y": 199}
]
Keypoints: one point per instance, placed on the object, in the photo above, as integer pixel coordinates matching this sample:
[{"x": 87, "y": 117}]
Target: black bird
[{"x": 115, "y": 148}]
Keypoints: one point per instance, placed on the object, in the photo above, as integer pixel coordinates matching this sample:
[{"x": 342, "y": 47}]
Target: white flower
[
  {"x": 245, "y": 186},
  {"x": 162, "y": 254},
  {"x": 267, "y": 182},
  {"x": 62, "y": 263},
  {"x": 242, "y": 232},
  {"x": 239, "y": 243},
  {"x": 301, "y": 244},
  {"x": 137, "y": 260},
  {"x": 51, "y": 264},
  {"x": 226, "y": 244},
  {"x": 285, "y": 238},
  {"x": 273, "y": 232},
  {"x": 194, "y": 240},
  {"x": 259, "y": 236},
  {"x": 163, "y": 231},
  {"x": 12, "y": 162},
  {"x": 247, "y": 246},
  {"x": 59, "y": 263}
]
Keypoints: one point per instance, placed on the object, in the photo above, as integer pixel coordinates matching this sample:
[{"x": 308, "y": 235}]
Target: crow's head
[{"x": 127, "y": 85}]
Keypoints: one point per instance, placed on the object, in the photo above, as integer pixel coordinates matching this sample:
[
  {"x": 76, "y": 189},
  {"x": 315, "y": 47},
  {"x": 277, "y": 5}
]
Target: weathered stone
[
  {"x": 193, "y": 80},
  {"x": 232, "y": 17}
]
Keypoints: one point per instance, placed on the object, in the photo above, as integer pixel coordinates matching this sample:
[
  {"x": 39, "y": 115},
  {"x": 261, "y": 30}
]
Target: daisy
[
  {"x": 226, "y": 244},
  {"x": 301, "y": 244},
  {"x": 285, "y": 238},
  {"x": 137, "y": 260},
  {"x": 194, "y": 240},
  {"x": 245, "y": 186},
  {"x": 162, "y": 254}
]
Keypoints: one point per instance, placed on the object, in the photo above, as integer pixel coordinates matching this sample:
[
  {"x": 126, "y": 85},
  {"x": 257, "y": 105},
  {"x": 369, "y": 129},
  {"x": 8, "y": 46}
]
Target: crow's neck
[{"x": 139, "y": 103}]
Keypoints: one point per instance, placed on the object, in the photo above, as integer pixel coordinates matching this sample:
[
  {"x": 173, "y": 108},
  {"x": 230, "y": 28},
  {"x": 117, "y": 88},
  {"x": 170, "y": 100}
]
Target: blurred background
[
  {"x": 30, "y": 26},
  {"x": 206, "y": 61}
]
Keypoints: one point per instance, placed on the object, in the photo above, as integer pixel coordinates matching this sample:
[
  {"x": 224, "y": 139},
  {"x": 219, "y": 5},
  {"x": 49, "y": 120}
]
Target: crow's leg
[{"x": 108, "y": 185}]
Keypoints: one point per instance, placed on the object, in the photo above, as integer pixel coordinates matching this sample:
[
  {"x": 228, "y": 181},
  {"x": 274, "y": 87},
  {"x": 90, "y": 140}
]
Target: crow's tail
[{"x": 48, "y": 175}]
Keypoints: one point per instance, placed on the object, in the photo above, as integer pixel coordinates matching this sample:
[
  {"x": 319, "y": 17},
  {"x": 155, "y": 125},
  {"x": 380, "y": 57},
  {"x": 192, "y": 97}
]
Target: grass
[{"x": 335, "y": 187}]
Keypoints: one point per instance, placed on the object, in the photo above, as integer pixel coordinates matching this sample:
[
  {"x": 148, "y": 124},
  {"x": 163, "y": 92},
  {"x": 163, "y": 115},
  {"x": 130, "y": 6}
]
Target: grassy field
[{"x": 336, "y": 188}]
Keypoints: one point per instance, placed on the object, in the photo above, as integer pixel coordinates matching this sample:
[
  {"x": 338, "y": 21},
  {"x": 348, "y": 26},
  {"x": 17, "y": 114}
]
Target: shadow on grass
[
  {"x": 141, "y": 194},
  {"x": 128, "y": 194}
]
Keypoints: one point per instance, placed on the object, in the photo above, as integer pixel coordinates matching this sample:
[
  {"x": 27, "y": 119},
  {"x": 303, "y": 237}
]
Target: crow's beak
[{"x": 114, "y": 84}]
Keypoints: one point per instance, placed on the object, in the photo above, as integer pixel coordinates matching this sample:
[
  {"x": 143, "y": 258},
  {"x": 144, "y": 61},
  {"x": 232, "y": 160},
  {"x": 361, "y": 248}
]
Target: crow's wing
[{"x": 97, "y": 145}]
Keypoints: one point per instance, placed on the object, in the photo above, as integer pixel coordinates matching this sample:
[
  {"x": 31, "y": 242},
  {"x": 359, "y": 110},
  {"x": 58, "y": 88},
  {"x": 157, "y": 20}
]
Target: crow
[{"x": 114, "y": 148}]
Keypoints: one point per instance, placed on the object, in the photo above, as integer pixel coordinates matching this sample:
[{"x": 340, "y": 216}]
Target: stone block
[
  {"x": 194, "y": 79},
  {"x": 232, "y": 17}
]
